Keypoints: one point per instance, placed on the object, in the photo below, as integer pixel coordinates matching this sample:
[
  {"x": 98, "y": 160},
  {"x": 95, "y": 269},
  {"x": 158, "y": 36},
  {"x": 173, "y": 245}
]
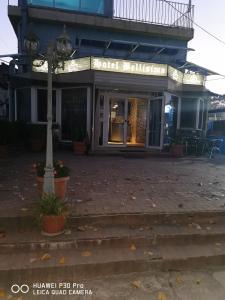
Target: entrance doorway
[{"x": 127, "y": 121}]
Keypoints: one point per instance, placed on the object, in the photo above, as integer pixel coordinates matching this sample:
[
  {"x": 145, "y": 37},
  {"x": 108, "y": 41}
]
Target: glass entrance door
[
  {"x": 117, "y": 126},
  {"x": 155, "y": 123}
]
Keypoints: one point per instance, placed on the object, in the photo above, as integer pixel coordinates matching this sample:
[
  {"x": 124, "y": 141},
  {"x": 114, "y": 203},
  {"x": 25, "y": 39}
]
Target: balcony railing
[{"x": 159, "y": 12}]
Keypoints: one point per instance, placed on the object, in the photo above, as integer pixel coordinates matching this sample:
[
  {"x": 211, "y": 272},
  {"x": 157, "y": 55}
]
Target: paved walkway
[
  {"x": 114, "y": 184},
  {"x": 208, "y": 284}
]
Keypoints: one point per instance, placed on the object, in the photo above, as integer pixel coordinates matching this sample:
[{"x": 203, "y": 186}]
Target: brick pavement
[{"x": 114, "y": 184}]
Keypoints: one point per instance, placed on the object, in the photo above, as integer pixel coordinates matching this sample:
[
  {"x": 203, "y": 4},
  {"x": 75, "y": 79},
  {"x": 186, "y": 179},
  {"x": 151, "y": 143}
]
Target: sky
[{"x": 208, "y": 53}]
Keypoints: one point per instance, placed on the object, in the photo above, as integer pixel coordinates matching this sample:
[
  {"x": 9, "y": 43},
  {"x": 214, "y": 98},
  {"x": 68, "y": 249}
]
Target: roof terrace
[{"x": 157, "y": 12}]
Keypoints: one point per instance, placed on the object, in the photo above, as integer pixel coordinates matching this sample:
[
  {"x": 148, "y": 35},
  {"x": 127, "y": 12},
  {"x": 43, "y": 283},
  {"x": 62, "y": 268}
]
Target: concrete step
[
  {"x": 142, "y": 219},
  {"x": 78, "y": 264},
  {"x": 101, "y": 248},
  {"x": 81, "y": 237}
]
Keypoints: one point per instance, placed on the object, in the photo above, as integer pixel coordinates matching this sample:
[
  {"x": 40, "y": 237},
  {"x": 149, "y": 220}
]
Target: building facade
[
  {"x": 127, "y": 83},
  {"x": 4, "y": 92}
]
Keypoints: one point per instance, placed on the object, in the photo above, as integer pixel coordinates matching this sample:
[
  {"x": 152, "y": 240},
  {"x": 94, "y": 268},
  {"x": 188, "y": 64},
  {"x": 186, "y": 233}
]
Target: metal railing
[{"x": 159, "y": 12}]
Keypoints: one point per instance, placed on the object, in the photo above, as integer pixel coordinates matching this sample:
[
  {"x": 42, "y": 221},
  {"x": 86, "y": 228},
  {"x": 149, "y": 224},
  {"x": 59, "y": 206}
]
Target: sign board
[
  {"x": 127, "y": 66},
  {"x": 195, "y": 79},
  {"x": 175, "y": 74},
  {"x": 122, "y": 66}
]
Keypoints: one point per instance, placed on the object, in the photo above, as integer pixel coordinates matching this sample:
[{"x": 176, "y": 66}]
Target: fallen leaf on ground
[
  {"x": 148, "y": 253},
  {"x": 62, "y": 260},
  {"x": 45, "y": 257},
  {"x": 24, "y": 209},
  {"x": 136, "y": 284},
  {"x": 179, "y": 280},
  {"x": 86, "y": 253},
  {"x": 162, "y": 296},
  {"x": 198, "y": 281},
  {"x": 81, "y": 228},
  {"x": 133, "y": 247},
  {"x": 2, "y": 293},
  {"x": 68, "y": 232}
]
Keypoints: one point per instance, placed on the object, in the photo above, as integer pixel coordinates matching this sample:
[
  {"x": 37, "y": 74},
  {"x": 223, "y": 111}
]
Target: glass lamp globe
[
  {"x": 31, "y": 43},
  {"x": 64, "y": 45}
]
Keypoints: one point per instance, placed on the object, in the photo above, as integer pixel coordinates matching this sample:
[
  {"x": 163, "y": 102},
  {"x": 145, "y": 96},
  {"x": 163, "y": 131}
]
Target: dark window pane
[
  {"x": 23, "y": 100},
  {"x": 155, "y": 122},
  {"x": 89, "y": 6},
  {"x": 42, "y": 105},
  {"x": 68, "y": 4},
  {"x": 92, "y": 6},
  {"x": 41, "y": 2},
  {"x": 188, "y": 113},
  {"x": 201, "y": 112},
  {"x": 74, "y": 111}
]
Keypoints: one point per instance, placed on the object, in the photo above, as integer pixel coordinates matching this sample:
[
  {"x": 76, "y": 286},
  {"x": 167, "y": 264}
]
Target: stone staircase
[{"x": 96, "y": 246}]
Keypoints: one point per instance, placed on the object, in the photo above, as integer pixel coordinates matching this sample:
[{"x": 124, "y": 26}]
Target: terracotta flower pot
[
  {"x": 79, "y": 148},
  {"x": 177, "y": 150},
  {"x": 53, "y": 224},
  {"x": 60, "y": 186}
]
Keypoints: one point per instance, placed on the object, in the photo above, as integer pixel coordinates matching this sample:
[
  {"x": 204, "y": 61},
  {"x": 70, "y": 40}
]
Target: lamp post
[{"x": 57, "y": 52}]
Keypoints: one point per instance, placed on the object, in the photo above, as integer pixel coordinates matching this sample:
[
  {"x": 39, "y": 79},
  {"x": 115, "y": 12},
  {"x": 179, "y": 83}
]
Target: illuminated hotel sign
[
  {"x": 175, "y": 74},
  {"x": 122, "y": 66},
  {"x": 75, "y": 65},
  {"x": 195, "y": 79},
  {"x": 126, "y": 66}
]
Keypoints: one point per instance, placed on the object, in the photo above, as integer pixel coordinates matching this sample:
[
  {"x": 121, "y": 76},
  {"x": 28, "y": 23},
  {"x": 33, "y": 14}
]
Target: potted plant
[
  {"x": 52, "y": 213},
  {"x": 177, "y": 146},
  {"x": 61, "y": 177},
  {"x": 80, "y": 141}
]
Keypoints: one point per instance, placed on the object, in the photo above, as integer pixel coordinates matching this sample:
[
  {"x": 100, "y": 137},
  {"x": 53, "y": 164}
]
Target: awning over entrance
[{"x": 129, "y": 47}]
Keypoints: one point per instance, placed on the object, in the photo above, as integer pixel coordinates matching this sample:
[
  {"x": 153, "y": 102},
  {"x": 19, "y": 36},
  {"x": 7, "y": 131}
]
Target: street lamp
[{"x": 57, "y": 52}]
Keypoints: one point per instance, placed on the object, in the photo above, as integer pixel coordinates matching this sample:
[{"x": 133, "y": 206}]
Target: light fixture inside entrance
[{"x": 115, "y": 106}]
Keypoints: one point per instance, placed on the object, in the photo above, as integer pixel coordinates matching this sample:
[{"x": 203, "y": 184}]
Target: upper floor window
[{"x": 88, "y": 6}]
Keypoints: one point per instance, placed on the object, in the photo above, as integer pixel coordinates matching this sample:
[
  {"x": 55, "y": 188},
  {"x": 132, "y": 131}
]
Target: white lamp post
[{"x": 57, "y": 52}]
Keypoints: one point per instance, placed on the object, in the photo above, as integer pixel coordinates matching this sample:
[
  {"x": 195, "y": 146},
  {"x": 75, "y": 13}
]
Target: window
[
  {"x": 23, "y": 104},
  {"x": 48, "y": 3},
  {"x": 201, "y": 114},
  {"x": 68, "y": 4},
  {"x": 188, "y": 113},
  {"x": 74, "y": 111},
  {"x": 89, "y": 6},
  {"x": 42, "y": 105}
]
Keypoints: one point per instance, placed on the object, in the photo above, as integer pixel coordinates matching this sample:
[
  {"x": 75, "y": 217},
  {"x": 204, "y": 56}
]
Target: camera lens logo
[{"x": 24, "y": 289}]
